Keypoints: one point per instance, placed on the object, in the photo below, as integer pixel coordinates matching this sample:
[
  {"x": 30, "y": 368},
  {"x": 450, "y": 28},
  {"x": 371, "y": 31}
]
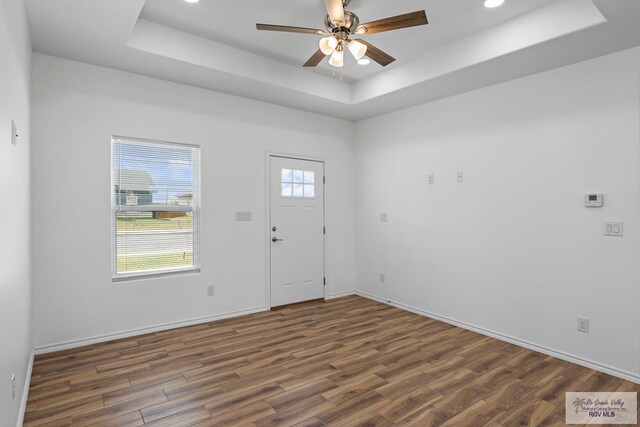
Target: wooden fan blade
[
  {"x": 394, "y": 23},
  {"x": 377, "y": 55},
  {"x": 335, "y": 10},
  {"x": 288, "y": 29},
  {"x": 315, "y": 59}
]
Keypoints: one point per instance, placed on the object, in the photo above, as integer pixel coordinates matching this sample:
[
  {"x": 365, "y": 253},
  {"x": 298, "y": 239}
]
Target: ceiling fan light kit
[
  {"x": 328, "y": 45},
  {"x": 357, "y": 49},
  {"x": 337, "y": 57},
  {"x": 340, "y": 25}
]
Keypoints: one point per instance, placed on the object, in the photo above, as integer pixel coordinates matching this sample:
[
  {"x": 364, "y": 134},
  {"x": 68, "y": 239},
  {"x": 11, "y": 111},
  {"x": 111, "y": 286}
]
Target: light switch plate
[
  {"x": 13, "y": 387},
  {"x": 384, "y": 217},
  {"x": 460, "y": 177},
  {"x": 613, "y": 229},
  {"x": 431, "y": 179},
  {"x": 14, "y": 133},
  {"x": 244, "y": 216}
]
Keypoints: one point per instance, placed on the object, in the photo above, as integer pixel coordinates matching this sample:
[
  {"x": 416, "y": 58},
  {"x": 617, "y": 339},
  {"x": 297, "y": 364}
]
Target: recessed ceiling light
[
  {"x": 192, "y": 1},
  {"x": 493, "y": 3},
  {"x": 363, "y": 61}
]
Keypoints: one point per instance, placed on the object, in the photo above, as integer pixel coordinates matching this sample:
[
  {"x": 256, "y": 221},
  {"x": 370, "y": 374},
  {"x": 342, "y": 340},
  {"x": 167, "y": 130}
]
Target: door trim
[{"x": 267, "y": 226}]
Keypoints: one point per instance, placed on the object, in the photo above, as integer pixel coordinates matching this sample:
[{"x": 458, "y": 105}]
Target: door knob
[{"x": 275, "y": 239}]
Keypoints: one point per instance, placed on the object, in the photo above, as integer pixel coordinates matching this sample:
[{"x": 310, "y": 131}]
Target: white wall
[
  {"x": 76, "y": 109},
  {"x": 512, "y": 249},
  {"x": 15, "y": 269}
]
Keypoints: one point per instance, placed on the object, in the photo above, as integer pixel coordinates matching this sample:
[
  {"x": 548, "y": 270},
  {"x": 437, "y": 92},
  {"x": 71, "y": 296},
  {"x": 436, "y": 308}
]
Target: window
[
  {"x": 296, "y": 183},
  {"x": 155, "y": 214}
]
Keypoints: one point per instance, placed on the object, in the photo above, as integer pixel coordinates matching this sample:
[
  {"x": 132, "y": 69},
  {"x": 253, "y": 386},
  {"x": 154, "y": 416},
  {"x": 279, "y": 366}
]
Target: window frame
[{"x": 195, "y": 208}]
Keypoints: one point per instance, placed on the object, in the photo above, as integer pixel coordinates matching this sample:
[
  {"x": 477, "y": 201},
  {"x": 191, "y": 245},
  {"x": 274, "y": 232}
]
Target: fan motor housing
[{"x": 352, "y": 22}]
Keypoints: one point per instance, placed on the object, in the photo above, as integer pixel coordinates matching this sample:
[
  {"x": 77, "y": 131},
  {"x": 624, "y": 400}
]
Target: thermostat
[{"x": 593, "y": 200}]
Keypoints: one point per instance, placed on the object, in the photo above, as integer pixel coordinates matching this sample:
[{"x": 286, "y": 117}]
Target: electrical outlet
[
  {"x": 211, "y": 290},
  {"x": 583, "y": 325},
  {"x": 460, "y": 177},
  {"x": 13, "y": 387},
  {"x": 382, "y": 278},
  {"x": 431, "y": 179}
]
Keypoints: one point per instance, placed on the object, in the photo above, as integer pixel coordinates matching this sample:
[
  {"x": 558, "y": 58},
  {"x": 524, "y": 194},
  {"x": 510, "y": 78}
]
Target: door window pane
[
  {"x": 297, "y": 183},
  {"x": 309, "y": 177},
  {"x": 309, "y": 190},
  {"x": 287, "y": 190}
]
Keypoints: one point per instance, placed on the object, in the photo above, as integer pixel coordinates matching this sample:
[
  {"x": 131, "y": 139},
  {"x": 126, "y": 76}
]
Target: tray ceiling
[{"x": 214, "y": 45}]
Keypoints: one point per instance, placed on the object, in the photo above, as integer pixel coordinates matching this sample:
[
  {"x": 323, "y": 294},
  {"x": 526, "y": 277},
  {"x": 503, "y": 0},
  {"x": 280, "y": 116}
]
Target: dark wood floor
[{"x": 347, "y": 362}]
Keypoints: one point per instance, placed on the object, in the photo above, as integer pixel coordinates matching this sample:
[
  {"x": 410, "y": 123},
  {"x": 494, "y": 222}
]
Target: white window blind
[{"x": 155, "y": 218}]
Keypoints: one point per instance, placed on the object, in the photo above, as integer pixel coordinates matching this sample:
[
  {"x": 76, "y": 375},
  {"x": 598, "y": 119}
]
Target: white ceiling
[
  {"x": 464, "y": 47},
  {"x": 233, "y": 24}
]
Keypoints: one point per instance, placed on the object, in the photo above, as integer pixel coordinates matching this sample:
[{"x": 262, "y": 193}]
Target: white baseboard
[
  {"x": 141, "y": 331},
  {"x": 512, "y": 340},
  {"x": 340, "y": 295},
  {"x": 25, "y": 391}
]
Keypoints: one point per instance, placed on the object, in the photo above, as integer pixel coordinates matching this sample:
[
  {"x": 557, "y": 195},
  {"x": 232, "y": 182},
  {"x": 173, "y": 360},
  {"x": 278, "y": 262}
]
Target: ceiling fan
[{"x": 340, "y": 24}]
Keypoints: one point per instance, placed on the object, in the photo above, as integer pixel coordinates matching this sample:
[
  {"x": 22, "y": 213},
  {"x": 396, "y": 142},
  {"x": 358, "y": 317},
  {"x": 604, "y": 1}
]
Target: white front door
[{"x": 297, "y": 230}]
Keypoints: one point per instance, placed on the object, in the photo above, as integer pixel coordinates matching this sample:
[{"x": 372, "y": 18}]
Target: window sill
[{"x": 154, "y": 275}]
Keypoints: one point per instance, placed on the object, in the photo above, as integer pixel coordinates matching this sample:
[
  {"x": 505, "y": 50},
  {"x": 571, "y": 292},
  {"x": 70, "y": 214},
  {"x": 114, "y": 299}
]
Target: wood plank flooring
[{"x": 346, "y": 362}]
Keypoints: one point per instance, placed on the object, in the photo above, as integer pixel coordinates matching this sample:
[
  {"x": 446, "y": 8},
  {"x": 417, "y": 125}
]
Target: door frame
[{"x": 267, "y": 228}]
